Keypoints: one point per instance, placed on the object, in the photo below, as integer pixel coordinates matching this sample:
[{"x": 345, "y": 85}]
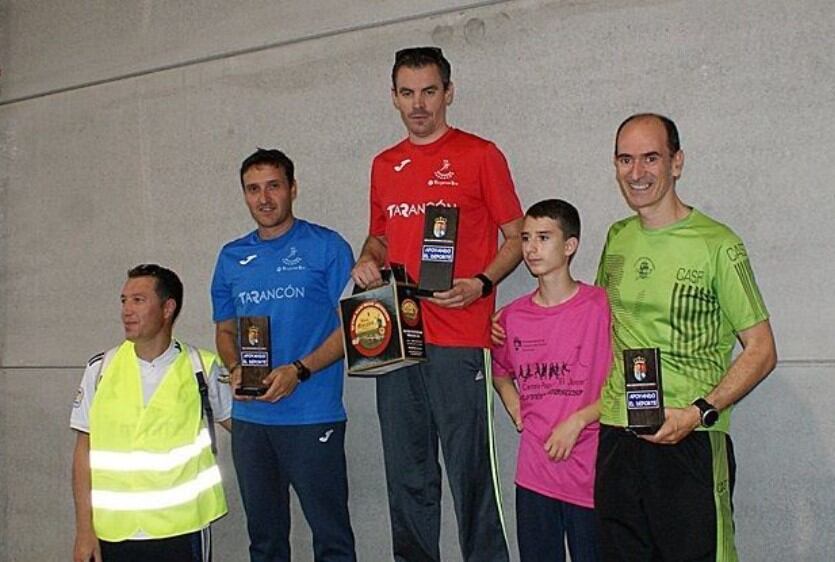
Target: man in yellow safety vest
[{"x": 145, "y": 481}]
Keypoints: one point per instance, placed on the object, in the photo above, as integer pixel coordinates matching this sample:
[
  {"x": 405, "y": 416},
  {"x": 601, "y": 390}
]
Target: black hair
[
  {"x": 269, "y": 157},
  {"x": 418, "y": 57},
  {"x": 566, "y": 215},
  {"x": 168, "y": 285}
]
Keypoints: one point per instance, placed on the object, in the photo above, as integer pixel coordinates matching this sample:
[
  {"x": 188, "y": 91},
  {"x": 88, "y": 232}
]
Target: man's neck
[
  {"x": 421, "y": 141},
  {"x": 555, "y": 288},
  {"x": 276, "y": 231},
  {"x": 663, "y": 215},
  {"x": 149, "y": 350}
]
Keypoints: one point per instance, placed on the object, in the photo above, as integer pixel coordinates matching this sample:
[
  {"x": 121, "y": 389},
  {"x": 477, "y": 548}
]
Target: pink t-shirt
[{"x": 559, "y": 357}]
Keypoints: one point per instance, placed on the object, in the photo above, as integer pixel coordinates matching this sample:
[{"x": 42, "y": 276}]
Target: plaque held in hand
[
  {"x": 437, "y": 262},
  {"x": 383, "y": 327},
  {"x": 256, "y": 352},
  {"x": 644, "y": 394}
]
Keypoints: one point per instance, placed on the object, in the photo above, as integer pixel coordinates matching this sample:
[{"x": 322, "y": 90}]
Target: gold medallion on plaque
[
  {"x": 410, "y": 312},
  {"x": 371, "y": 328}
]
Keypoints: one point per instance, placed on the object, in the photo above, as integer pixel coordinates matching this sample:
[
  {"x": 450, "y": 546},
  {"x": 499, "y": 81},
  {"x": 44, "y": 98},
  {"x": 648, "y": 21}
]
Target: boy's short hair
[{"x": 566, "y": 215}]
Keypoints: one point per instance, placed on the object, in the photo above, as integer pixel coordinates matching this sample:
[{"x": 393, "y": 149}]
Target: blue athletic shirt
[{"x": 296, "y": 280}]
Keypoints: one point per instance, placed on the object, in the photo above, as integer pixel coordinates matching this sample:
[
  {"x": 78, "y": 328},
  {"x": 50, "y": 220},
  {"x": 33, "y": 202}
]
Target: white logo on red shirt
[
  {"x": 407, "y": 210},
  {"x": 403, "y": 163},
  {"x": 443, "y": 176}
]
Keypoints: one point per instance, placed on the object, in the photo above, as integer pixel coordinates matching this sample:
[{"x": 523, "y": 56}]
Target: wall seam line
[{"x": 246, "y": 51}]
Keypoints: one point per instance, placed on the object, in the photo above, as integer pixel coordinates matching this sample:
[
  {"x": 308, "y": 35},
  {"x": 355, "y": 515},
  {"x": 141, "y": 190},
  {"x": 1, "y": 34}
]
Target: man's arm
[
  {"x": 466, "y": 290},
  {"x": 226, "y": 342},
  {"x": 366, "y": 272},
  {"x": 86, "y": 544},
  {"x": 284, "y": 379},
  {"x": 757, "y": 360},
  {"x": 220, "y": 396}
]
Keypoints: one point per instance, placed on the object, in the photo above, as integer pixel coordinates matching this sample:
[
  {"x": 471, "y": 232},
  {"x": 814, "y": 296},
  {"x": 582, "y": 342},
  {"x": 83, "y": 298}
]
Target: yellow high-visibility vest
[{"x": 152, "y": 468}]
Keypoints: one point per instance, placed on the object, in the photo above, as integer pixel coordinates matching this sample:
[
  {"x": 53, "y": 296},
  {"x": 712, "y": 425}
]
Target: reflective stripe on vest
[
  {"x": 136, "y": 501},
  {"x": 152, "y": 469},
  {"x": 140, "y": 460}
]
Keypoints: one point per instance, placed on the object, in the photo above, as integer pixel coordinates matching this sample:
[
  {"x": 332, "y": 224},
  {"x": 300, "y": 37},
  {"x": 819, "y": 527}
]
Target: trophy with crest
[
  {"x": 254, "y": 343},
  {"x": 440, "y": 229},
  {"x": 644, "y": 394}
]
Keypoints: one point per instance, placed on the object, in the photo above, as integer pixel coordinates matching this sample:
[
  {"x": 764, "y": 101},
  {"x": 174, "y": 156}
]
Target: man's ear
[
  {"x": 678, "y": 164},
  {"x": 168, "y": 308}
]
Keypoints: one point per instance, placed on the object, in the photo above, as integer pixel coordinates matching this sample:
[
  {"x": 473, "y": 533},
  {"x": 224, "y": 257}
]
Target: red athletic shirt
[{"x": 460, "y": 170}]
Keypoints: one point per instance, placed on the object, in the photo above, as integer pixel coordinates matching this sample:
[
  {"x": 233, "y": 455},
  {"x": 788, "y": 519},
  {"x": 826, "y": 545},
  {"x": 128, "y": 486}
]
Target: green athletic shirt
[{"x": 686, "y": 289}]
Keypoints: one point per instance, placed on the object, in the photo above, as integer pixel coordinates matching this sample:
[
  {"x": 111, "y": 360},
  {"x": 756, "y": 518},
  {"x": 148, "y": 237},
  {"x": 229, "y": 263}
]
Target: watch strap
[
  {"x": 487, "y": 283},
  {"x": 302, "y": 372},
  {"x": 708, "y": 414}
]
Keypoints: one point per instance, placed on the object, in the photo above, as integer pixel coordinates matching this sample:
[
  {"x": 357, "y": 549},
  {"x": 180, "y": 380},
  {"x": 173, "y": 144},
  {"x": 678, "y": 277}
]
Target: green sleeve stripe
[{"x": 746, "y": 277}]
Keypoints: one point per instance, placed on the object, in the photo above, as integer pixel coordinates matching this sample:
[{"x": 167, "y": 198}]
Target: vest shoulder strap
[
  {"x": 199, "y": 374},
  {"x": 106, "y": 359}
]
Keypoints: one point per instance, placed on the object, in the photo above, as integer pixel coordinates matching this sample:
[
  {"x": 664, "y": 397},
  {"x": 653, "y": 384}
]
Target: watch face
[{"x": 710, "y": 417}]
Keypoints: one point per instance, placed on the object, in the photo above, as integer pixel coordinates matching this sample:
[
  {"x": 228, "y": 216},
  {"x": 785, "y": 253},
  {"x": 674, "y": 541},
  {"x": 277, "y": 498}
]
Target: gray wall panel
[
  {"x": 97, "y": 179},
  {"x": 5, "y": 481},
  {"x": 786, "y": 466},
  {"x": 148, "y": 160},
  {"x": 66, "y": 44}
]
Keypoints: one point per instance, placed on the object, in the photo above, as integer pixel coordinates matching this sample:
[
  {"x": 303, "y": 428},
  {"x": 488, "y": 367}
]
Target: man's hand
[
  {"x": 86, "y": 547},
  {"x": 282, "y": 381},
  {"x": 497, "y": 334},
  {"x": 235, "y": 383},
  {"x": 463, "y": 292},
  {"x": 562, "y": 439},
  {"x": 678, "y": 424},
  {"x": 366, "y": 273}
]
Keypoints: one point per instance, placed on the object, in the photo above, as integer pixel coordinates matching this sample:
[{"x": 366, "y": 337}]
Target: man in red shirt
[{"x": 447, "y": 398}]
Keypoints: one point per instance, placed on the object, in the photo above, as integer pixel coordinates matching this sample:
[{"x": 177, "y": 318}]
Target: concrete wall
[{"x": 122, "y": 125}]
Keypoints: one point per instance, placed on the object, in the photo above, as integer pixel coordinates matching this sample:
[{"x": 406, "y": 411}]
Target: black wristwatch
[
  {"x": 302, "y": 372},
  {"x": 709, "y": 413},
  {"x": 487, "y": 287}
]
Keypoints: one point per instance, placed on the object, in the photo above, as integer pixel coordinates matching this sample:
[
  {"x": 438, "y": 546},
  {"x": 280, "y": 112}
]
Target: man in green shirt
[{"x": 681, "y": 282}]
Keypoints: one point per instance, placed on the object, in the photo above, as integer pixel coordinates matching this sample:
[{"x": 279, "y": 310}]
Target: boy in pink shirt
[{"x": 549, "y": 372}]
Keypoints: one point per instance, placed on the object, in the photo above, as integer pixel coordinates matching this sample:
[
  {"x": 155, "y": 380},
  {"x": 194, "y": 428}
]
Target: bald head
[{"x": 673, "y": 143}]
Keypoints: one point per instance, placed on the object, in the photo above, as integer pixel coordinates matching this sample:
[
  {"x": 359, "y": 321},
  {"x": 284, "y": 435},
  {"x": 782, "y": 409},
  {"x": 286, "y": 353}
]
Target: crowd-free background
[{"x": 123, "y": 123}]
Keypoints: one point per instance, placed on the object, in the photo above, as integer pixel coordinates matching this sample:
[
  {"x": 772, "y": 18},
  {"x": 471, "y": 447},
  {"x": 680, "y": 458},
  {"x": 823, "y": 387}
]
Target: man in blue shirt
[{"x": 294, "y": 272}]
